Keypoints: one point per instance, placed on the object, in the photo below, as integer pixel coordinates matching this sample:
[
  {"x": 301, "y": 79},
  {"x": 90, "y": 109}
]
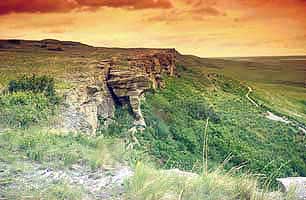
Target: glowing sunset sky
[{"x": 201, "y": 27}]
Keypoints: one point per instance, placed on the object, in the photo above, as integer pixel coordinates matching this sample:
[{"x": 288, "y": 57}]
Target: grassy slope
[
  {"x": 175, "y": 135},
  {"x": 278, "y": 81}
]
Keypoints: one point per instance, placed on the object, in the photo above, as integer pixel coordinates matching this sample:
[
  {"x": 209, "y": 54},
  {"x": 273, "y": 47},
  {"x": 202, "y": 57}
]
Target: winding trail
[
  {"x": 249, "y": 98},
  {"x": 273, "y": 116}
]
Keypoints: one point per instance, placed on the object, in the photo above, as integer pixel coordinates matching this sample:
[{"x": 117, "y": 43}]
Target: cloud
[
  {"x": 46, "y": 6},
  {"x": 196, "y": 10},
  {"x": 134, "y": 4},
  {"x": 206, "y": 11}
]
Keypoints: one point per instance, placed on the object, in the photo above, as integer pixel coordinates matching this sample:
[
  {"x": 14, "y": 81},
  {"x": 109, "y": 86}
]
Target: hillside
[
  {"x": 105, "y": 111},
  {"x": 278, "y": 82}
]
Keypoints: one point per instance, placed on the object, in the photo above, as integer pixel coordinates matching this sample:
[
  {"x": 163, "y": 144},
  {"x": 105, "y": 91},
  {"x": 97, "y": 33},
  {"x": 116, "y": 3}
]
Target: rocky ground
[{"x": 35, "y": 179}]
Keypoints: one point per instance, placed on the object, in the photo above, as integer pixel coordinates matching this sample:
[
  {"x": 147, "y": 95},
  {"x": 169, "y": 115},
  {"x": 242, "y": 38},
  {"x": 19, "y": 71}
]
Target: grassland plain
[{"x": 176, "y": 115}]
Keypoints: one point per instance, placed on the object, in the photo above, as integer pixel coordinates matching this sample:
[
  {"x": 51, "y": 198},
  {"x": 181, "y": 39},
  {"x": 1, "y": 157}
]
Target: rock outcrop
[
  {"x": 88, "y": 104},
  {"x": 111, "y": 82},
  {"x": 144, "y": 72}
]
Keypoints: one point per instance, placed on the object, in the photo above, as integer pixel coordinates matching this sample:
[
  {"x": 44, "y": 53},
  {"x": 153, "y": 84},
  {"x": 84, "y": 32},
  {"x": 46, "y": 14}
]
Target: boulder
[{"x": 297, "y": 184}]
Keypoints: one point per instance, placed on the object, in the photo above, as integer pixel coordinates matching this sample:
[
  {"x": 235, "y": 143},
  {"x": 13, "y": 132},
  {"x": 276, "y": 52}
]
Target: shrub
[
  {"x": 22, "y": 109},
  {"x": 123, "y": 121},
  {"x": 29, "y": 100},
  {"x": 199, "y": 110},
  {"x": 35, "y": 84}
]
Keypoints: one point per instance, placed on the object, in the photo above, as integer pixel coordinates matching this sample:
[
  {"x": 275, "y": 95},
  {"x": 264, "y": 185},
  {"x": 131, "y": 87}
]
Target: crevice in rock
[
  {"x": 115, "y": 82},
  {"x": 127, "y": 84}
]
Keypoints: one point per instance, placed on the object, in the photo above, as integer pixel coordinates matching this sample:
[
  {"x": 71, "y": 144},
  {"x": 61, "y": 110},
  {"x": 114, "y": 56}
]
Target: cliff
[{"x": 117, "y": 81}]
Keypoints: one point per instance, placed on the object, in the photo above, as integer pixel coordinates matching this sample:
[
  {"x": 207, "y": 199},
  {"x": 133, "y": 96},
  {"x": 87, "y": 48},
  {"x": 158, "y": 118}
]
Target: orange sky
[{"x": 202, "y": 27}]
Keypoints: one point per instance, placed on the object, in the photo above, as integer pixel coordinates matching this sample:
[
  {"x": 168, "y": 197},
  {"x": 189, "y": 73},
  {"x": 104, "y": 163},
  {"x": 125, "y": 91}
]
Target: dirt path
[
  {"x": 273, "y": 116},
  {"x": 249, "y": 98}
]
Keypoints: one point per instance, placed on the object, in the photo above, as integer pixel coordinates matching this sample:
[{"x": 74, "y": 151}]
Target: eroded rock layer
[
  {"x": 88, "y": 104},
  {"x": 119, "y": 80},
  {"x": 144, "y": 72}
]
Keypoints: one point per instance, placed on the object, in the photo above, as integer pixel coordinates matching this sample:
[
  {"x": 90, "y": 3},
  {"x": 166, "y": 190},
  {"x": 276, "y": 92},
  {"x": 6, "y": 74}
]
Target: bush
[
  {"x": 29, "y": 100},
  {"x": 22, "y": 109},
  {"x": 199, "y": 110},
  {"x": 35, "y": 84},
  {"x": 123, "y": 121}
]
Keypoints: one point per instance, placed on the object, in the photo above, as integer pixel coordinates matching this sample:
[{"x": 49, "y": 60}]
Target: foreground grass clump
[
  {"x": 152, "y": 184},
  {"x": 57, "y": 191},
  {"x": 28, "y": 100},
  {"x": 60, "y": 150}
]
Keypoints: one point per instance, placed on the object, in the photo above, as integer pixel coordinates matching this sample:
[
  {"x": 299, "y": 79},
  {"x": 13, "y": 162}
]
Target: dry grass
[{"x": 151, "y": 184}]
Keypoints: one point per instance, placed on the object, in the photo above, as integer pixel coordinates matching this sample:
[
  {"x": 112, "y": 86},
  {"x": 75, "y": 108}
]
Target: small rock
[{"x": 296, "y": 183}]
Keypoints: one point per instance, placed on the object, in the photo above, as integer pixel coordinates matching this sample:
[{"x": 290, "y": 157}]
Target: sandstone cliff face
[
  {"x": 144, "y": 72},
  {"x": 115, "y": 81},
  {"x": 88, "y": 102}
]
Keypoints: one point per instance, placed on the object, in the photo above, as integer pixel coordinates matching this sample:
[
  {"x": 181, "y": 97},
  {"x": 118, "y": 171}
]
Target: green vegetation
[
  {"x": 40, "y": 84},
  {"x": 122, "y": 122},
  {"x": 277, "y": 81},
  {"x": 152, "y": 184},
  {"x": 29, "y": 100},
  {"x": 176, "y": 118},
  {"x": 20, "y": 149},
  {"x": 24, "y": 109},
  {"x": 57, "y": 191},
  {"x": 60, "y": 150},
  {"x": 23, "y": 150}
]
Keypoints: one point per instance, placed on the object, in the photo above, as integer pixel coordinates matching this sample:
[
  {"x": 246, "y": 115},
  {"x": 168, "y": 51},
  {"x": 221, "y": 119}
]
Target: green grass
[
  {"x": 60, "y": 150},
  {"x": 278, "y": 81},
  {"x": 23, "y": 109},
  {"x": 28, "y": 101},
  {"x": 57, "y": 191},
  {"x": 22, "y": 148},
  {"x": 176, "y": 118},
  {"x": 285, "y": 99},
  {"x": 152, "y": 184},
  {"x": 25, "y": 151}
]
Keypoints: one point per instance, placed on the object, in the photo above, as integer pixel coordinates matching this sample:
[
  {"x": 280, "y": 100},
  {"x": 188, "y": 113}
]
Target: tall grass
[
  {"x": 56, "y": 191},
  {"x": 61, "y": 150},
  {"x": 152, "y": 184},
  {"x": 205, "y": 148},
  {"x": 23, "y": 109}
]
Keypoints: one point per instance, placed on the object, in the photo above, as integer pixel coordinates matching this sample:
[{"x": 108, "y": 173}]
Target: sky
[{"x": 206, "y": 28}]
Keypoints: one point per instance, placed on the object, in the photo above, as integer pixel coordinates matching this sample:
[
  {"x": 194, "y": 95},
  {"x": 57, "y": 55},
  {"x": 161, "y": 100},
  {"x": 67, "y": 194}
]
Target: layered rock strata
[
  {"x": 111, "y": 82},
  {"x": 144, "y": 72},
  {"x": 88, "y": 104}
]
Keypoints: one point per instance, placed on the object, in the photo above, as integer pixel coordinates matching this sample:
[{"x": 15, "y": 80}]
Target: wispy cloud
[{"x": 45, "y": 6}]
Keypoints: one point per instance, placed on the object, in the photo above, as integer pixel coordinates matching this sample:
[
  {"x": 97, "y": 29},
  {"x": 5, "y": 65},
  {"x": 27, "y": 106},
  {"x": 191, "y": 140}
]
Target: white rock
[{"x": 296, "y": 183}]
